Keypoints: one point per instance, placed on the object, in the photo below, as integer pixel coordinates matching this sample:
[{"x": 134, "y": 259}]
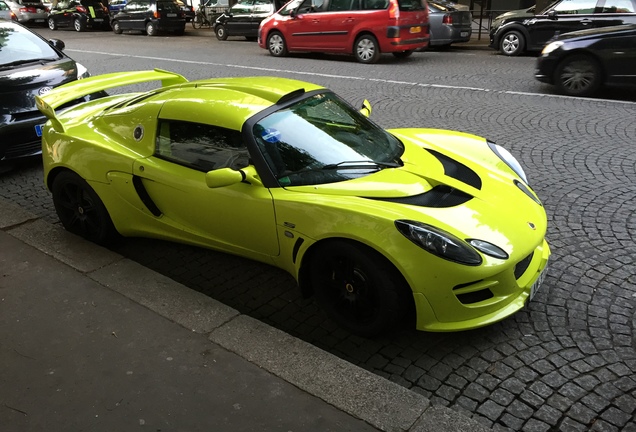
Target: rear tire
[
  {"x": 52, "y": 24},
  {"x": 116, "y": 27},
  {"x": 276, "y": 44},
  {"x": 358, "y": 288},
  {"x": 366, "y": 49},
  {"x": 79, "y": 25},
  {"x": 151, "y": 29},
  {"x": 80, "y": 209},
  {"x": 578, "y": 75}
]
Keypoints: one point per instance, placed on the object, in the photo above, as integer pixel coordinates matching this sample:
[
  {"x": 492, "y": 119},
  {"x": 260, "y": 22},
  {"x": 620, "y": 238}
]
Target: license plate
[
  {"x": 415, "y": 29},
  {"x": 38, "y": 130},
  {"x": 98, "y": 19},
  {"x": 538, "y": 282},
  {"x": 39, "y": 20},
  {"x": 463, "y": 34},
  {"x": 171, "y": 15}
]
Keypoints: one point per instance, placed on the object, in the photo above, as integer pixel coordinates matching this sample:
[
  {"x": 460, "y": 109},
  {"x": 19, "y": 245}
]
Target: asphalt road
[{"x": 568, "y": 361}]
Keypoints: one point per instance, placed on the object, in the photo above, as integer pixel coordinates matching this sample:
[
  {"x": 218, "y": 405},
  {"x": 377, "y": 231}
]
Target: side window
[
  {"x": 618, "y": 6},
  {"x": 263, "y": 6},
  {"x": 374, "y": 4},
  {"x": 199, "y": 146},
  {"x": 242, "y": 7},
  {"x": 340, "y": 5},
  {"x": 568, "y": 7}
]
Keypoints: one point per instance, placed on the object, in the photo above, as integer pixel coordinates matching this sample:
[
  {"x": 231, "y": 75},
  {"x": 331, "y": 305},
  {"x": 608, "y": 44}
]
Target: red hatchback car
[{"x": 364, "y": 28}]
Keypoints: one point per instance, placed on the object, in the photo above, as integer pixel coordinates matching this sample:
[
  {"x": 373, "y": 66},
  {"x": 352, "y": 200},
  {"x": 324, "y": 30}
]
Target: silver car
[
  {"x": 28, "y": 11},
  {"x": 6, "y": 12},
  {"x": 450, "y": 23}
]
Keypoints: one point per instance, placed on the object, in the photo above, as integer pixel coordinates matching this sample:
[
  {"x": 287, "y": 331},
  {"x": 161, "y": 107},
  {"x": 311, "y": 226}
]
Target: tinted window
[
  {"x": 343, "y": 5},
  {"x": 374, "y": 4},
  {"x": 167, "y": 6},
  {"x": 576, "y": 7},
  {"x": 410, "y": 5},
  {"x": 618, "y": 6},
  {"x": 199, "y": 146}
]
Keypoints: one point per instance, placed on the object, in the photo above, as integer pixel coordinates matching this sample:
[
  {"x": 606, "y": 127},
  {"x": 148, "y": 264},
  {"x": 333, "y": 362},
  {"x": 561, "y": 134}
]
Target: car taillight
[
  {"x": 448, "y": 19},
  {"x": 80, "y": 9},
  {"x": 394, "y": 10}
]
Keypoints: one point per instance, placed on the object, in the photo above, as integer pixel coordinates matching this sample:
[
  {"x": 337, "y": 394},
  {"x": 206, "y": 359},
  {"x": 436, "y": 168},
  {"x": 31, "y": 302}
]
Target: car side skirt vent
[
  {"x": 457, "y": 170},
  {"x": 145, "y": 197},
  {"x": 522, "y": 266},
  {"x": 440, "y": 196}
]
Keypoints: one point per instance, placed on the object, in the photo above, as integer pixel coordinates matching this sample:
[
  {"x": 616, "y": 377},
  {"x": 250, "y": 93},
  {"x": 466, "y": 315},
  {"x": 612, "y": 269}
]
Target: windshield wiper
[
  {"x": 361, "y": 164},
  {"x": 22, "y": 62}
]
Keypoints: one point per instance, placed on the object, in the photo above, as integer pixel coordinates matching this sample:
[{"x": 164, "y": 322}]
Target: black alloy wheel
[
  {"x": 358, "y": 288},
  {"x": 578, "y": 75},
  {"x": 80, "y": 209}
]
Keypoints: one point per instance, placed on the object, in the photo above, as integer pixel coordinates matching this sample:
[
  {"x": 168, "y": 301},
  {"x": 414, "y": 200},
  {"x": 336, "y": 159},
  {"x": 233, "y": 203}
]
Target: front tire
[
  {"x": 151, "y": 29},
  {"x": 52, "y": 24},
  {"x": 80, "y": 209},
  {"x": 366, "y": 49},
  {"x": 578, "y": 75},
  {"x": 512, "y": 43},
  {"x": 116, "y": 27},
  {"x": 276, "y": 44},
  {"x": 221, "y": 33},
  {"x": 358, "y": 288}
]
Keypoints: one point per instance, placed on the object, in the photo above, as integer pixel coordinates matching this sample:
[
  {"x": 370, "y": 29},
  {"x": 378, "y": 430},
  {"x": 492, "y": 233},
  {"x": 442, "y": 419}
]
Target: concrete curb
[{"x": 362, "y": 394}]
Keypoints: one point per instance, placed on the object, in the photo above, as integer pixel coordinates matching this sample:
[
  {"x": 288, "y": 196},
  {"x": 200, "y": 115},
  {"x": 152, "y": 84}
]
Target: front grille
[
  {"x": 23, "y": 149},
  {"x": 522, "y": 266}
]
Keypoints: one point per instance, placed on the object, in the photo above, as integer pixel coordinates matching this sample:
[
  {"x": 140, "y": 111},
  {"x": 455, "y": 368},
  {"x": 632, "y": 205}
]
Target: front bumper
[
  {"x": 482, "y": 302},
  {"x": 20, "y": 139}
]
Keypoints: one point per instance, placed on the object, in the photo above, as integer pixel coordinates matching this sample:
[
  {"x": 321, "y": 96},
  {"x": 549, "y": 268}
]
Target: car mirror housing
[
  {"x": 223, "y": 177},
  {"x": 366, "y": 108},
  {"x": 57, "y": 44}
]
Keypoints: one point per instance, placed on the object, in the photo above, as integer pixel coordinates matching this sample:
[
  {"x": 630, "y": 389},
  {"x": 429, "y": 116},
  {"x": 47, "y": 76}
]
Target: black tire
[
  {"x": 366, "y": 49},
  {"x": 358, "y": 288},
  {"x": 116, "y": 27},
  {"x": 402, "y": 54},
  {"x": 221, "y": 32},
  {"x": 79, "y": 25},
  {"x": 512, "y": 43},
  {"x": 578, "y": 75},
  {"x": 276, "y": 44},
  {"x": 52, "y": 24},
  {"x": 151, "y": 29},
  {"x": 80, "y": 209}
]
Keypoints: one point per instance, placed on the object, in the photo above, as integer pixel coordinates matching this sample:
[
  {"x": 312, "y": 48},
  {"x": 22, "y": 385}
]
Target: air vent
[
  {"x": 522, "y": 266},
  {"x": 457, "y": 170},
  {"x": 441, "y": 196}
]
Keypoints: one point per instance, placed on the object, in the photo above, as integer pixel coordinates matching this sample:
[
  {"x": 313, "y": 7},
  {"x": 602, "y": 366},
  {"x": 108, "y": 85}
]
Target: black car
[
  {"x": 79, "y": 14},
  {"x": 579, "y": 63},
  {"x": 518, "y": 31},
  {"x": 29, "y": 66},
  {"x": 243, "y": 19},
  {"x": 150, "y": 16}
]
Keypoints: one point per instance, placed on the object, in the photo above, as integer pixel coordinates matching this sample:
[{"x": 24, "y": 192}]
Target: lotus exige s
[{"x": 434, "y": 228}]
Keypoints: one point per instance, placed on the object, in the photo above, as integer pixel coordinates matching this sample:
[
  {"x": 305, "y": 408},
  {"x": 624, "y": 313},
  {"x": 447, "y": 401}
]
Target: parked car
[
  {"x": 448, "y": 24},
  {"x": 29, "y": 66},
  {"x": 436, "y": 229},
  {"x": 115, "y": 6},
  {"x": 365, "y": 29},
  {"x": 516, "y": 33},
  {"x": 188, "y": 11},
  {"x": 243, "y": 19},
  {"x": 79, "y": 14},
  {"x": 28, "y": 11},
  {"x": 6, "y": 12},
  {"x": 150, "y": 16},
  {"x": 579, "y": 63}
]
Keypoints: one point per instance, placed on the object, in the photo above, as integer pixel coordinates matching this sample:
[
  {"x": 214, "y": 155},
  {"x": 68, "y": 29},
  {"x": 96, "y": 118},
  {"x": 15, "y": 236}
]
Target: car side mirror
[
  {"x": 552, "y": 14},
  {"x": 227, "y": 177},
  {"x": 366, "y": 108},
  {"x": 58, "y": 44},
  {"x": 292, "y": 13}
]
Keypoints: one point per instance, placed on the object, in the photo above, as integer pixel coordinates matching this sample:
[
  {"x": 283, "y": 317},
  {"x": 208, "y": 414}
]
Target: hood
[
  {"x": 18, "y": 87},
  {"x": 594, "y": 32}
]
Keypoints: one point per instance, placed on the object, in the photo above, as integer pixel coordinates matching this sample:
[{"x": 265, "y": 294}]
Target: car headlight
[
  {"x": 509, "y": 159},
  {"x": 438, "y": 242},
  {"x": 82, "y": 72},
  {"x": 551, "y": 47}
]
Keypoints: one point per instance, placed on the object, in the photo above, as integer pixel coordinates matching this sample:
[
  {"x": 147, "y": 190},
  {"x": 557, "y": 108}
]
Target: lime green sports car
[{"x": 429, "y": 228}]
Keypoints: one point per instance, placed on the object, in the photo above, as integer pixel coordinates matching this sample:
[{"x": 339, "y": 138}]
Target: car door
[
  {"x": 64, "y": 12},
  {"x": 313, "y": 27},
  {"x": 5, "y": 11},
  {"x": 239, "y": 22},
  {"x": 619, "y": 54},
  {"x": 563, "y": 17},
  {"x": 238, "y": 218}
]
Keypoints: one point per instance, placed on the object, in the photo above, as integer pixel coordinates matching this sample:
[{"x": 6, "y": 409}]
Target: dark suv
[
  {"x": 518, "y": 31},
  {"x": 243, "y": 19},
  {"x": 150, "y": 16}
]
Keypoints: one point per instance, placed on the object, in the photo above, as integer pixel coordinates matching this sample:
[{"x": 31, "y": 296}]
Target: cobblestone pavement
[{"x": 568, "y": 361}]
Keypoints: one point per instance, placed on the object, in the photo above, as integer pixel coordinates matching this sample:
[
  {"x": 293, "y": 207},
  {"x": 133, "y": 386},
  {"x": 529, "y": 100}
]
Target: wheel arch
[
  {"x": 586, "y": 53},
  {"x": 363, "y": 32},
  {"x": 510, "y": 27}
]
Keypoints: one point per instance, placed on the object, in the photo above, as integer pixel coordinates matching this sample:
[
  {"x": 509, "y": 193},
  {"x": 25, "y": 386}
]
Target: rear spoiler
[{"x": 84, "y": 87}]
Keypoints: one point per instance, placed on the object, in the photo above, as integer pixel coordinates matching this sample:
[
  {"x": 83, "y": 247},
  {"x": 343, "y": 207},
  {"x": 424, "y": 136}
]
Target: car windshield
[
  {"x": 19, "y": 46},
  {"x": 322, "y": 139}
]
